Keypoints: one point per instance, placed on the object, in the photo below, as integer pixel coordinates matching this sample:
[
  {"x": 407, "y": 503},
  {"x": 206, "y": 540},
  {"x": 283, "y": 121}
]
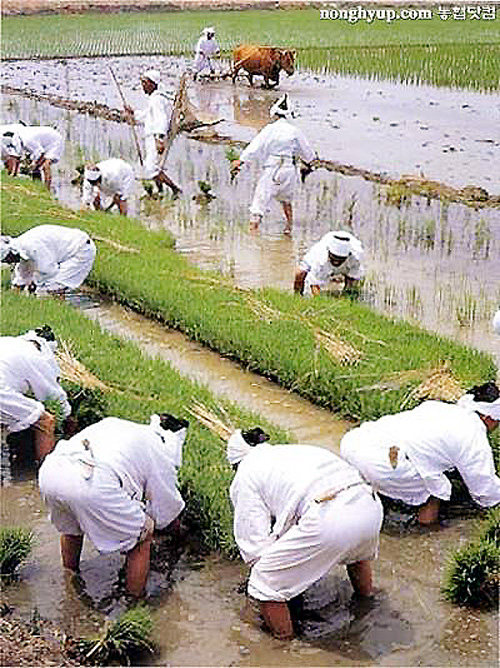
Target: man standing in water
[
  {"x": 277, "y": 147},
  {"x": 299, "y": 510},
  {"x": 206, "y": 47},
  {"x": 156, "y": 118}
]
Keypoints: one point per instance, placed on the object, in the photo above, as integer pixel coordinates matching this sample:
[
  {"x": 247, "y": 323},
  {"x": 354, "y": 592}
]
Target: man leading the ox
[
  {"x": 49, "y": 259},
  {"x": 112, "y": 178},
  {"x": 156, "y": 118},
  {"x": 335, "y": 254},
  {"x": 206, "y": 47},
  {"x": 278, "y": 146},
  {"x": 299, "y": 510},
  {"x": 28, "y": 366},
  {"x": 115, "y": 482},
  {"x": 405, "y": 456}
]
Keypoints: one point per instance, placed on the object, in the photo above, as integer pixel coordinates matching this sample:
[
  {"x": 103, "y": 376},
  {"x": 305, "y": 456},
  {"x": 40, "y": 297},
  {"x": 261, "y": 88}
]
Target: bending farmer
[
  {"x": 299, "y": 510},
  {"x": 115, "y": 482},
  {"x": 113, "y": 178},
  {"x": 405, "y": 455}
]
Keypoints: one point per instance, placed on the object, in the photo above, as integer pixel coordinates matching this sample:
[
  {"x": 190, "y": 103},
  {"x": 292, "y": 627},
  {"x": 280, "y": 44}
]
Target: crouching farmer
[
  {"x": 299, "y": 510},
  {"x": 115, "y": 482}
]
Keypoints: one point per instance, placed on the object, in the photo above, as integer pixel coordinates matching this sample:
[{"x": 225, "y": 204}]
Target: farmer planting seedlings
[
  {"x": 299, "y": 510},
  {"x": 112, "y": 178},
  {"x": 156, "y": 119},
  {"x": 115, "y": 482},
  {"x": 278, "y": 148},
  {"x": 335, "y": 254},
  {"x": 49, "y": 259},
  {"x": 28, "y": 366},
  {"x": 405, "y": 456}
]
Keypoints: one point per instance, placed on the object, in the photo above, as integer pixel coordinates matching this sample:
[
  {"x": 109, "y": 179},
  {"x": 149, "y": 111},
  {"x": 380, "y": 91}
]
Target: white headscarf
[
  {"x": 208, "y": 31},
  {"x": 282, "y": 107},
  {"x": 339, "y": 244},
  {"x": 31, "y": 335},
  {"x": 92, "y": 173},
  {"x": 488, "y": 408},
  {"x": 237, "y": 448},
  {"x": 152, "y": 75}
]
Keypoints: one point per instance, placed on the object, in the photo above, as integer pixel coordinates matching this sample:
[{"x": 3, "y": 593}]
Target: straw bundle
[
  {"x": 439, "y": 384},
  {"x": 262, "y": 310},
  {"x": 211, "y": 420},
  {"x": 75, "y": 371},
  {"x": 340, "y": 350}
]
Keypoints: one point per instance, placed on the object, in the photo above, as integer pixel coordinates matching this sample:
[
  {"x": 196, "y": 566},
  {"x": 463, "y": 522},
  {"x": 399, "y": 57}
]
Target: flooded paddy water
[{"x": 430, "y": 262}]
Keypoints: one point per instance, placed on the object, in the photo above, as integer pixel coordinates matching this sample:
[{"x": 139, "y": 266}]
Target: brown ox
[{"x": 265, "y": 61}]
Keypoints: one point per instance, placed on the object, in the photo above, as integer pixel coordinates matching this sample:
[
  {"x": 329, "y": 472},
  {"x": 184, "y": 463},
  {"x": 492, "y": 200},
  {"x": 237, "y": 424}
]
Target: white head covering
[
  {"x": 92, "y": 173},
  {"x": 208, "y": 31},
  {"x": 4, "y": 246},
  {"x": 17, "y": 249},
  {"x": 237, "y": 448},
  {"x": 31, "y": 335},
  {"x": 174, "y": 440},
  {"x": 12, "y": 144},
  {"x": 152, "y": 75},
  {"x": 488, "y": 408},
  {"x": 282, "y": 107},
  {"x": 339, "y": 244},
  {"x": 496, "y": 322}
]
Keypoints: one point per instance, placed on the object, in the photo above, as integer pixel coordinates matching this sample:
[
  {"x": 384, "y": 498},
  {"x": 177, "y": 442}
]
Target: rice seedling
[
  {"x": 16, "y": 544},
  {"x": 473, "y": 573},
  {"x": 121, "y": 640}
]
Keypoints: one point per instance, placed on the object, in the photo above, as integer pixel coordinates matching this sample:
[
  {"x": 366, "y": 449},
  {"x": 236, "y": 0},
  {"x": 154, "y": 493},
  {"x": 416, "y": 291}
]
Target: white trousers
[
  {"x": 73, "y": 271},
  {"x": 337, "y": 532},
  {"x": 276, "y": 182}
]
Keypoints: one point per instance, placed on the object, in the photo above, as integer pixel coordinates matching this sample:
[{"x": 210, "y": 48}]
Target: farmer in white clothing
[
  {"x": 28, "y": 366},
  {"x": 206, "y": 48},
  {"x": 50, "y": 258},
  {"x": 12, "y": 148},
  {"x": 113, "y": 178},
  {"x": 299, "y": 510},
  {"x": 115, "y": 482},
  {"x": 405, "y": 455},
  {"x": 335, "y": 254},
  {"x": 156, "y": 119},
  {"x": 44, "y": 145},
  {"x": 277, "y": 147}
]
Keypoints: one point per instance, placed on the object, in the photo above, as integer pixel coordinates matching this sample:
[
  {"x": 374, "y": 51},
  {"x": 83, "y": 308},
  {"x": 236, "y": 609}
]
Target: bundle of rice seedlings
[
  {"x": 262, "y": 310},
  {"x": 439, "y": 384},
  {"x": 121, "y": 640},
  {"x": 15, "y": 546},
  {"x": 211, "y": 420},
  {"x": 339, "y": 350},
  {"x": 73, "y": 370}
]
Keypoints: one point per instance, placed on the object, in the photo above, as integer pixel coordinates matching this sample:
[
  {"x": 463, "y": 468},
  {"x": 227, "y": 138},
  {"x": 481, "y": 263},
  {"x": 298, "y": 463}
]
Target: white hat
[
  {"x": 152, "y": 75},
  {"x": 237, "y": 448},
  {"x": 4, "y": 246},
  {"x": 209, "y": 31},
  {"x": 489, "y": 408},
  {"x": 12, "y": 144},
  {"x": 282, "y": 108},
  {"x": 31, "y": 335},
  {"x": 92, "y": 173},
  {"x": 496, "y": 322},
  {"x": 339, "y": 244},
  {"x": 20, "y": 251},
  {"x": 174, "y": 440}
]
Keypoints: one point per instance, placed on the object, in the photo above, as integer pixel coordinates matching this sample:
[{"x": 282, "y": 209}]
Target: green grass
[
  {"x": 267, "y": 331},
  {"x": 448, "y": 53},
  {"x": 473, "y": 575},
  {"x": 16, "y": 544}
]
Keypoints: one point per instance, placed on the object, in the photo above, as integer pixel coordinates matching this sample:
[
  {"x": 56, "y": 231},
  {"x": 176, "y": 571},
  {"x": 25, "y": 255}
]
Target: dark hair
[
  {"x": 45, "y": 332},
  {"x": 171, "y": 423},
  {"x": 487, "y": 392},
  {"x": 255, "y": 436}
]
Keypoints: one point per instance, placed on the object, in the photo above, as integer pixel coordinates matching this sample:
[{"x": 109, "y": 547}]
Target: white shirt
[
  {"x": 272, "y": 485},
  {"x": 40, "y": 140},
  {"x": 156, "y": 116},
  {"x": 321, "y": 270},
  {"x": 436, "y": 437},
  {"x": 276, "y": 140},
  {"x": 24, "y": 369},
  {"x": 46, "y": 246},
  {"x": 143, "y": 458},
  {"x": 207, "y": 47},
  {"x": 117, "y": 179}
]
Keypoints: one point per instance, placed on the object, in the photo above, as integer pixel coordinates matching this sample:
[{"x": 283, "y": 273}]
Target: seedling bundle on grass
[
  {"x": 15, "y": 547},
  {"x": 473, "y": 576},
  {"x": 138, "y": 386},
  {"x": 336, "y": 352}
]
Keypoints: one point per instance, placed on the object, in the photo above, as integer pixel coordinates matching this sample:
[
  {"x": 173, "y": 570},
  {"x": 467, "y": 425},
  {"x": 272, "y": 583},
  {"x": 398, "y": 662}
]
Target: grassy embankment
[
  {"x": 448, "y": 52},
  {"x": 335, "y": 352}
]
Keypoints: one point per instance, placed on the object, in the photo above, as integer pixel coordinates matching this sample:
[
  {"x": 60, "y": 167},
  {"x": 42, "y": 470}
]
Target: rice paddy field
[{"x": 417, "y": 97}]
